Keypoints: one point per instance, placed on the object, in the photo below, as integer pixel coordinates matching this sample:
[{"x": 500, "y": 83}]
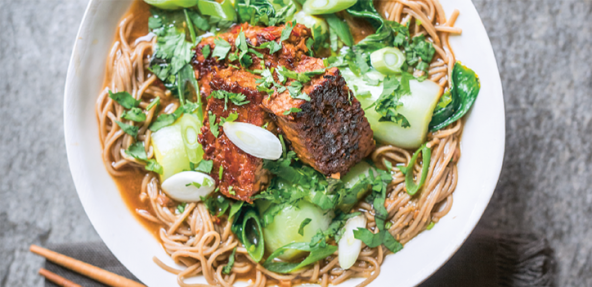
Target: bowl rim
[{"x": 430, "y": 269}]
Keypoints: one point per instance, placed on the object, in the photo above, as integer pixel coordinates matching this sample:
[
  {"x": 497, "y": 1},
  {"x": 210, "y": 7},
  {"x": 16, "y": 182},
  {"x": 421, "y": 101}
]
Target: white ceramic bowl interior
[{"x": 479, "y": 168}]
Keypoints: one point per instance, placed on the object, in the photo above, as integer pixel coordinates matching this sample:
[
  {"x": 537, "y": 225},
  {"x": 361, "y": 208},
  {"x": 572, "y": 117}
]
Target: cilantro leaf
[
  {"x": 165, "y": 120},
  {"x": 214, "y": 128},
  {"x": 236, "y": 98},
  {"x": 135, "y": 114},
  {"x": 137, "y": 151},
  {"x": 303, "y": 77},
  {"x": 221, "y": 49},
  {"x": 231, "y": 118},
  {"x": 228, "y": 267},
  {"x": 287, "y": 31},
  {"x": 388, "y": 103},
  {"x": 181, "y": 207},
  {"x": 292, "y": 110},
  {"x": 205, "y": 166},
  {"x": 124, "y": 99},
  {"x": 295, "y": 89},
  {"x": 273, "y": 46},
  {"x": 128, "y": 129},
  {"x": 206, "y": 51}
]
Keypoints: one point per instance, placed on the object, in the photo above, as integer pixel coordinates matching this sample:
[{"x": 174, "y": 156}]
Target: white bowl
[{"x": 479, "y": 167}]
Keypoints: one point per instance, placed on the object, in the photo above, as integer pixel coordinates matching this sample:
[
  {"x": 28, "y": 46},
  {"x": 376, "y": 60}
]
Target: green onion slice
[
  {"x": 387, "y": 60},
  {"x": 410, "y": 184},
  {"x": 253, "y": 235},
  {"x": 190, "y": 129},
  {"x": 223, "y": 10},
  {"x": 318, "y": 7},
  {"x": 171, "y": 4}
]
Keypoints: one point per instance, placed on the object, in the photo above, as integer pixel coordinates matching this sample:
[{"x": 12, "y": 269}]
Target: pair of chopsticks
[{"x": 96, "y": 273}]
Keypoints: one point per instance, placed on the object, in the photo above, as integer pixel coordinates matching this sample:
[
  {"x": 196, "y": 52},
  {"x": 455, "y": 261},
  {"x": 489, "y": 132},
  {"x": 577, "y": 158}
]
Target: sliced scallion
[
  {"x": 319, "y": 7},
  {"x": 388, "y": 60}
]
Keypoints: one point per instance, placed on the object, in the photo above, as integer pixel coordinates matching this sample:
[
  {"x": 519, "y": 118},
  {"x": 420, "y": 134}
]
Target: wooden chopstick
[
  {"x": 57, "y": 279},
  {"x": 85, "y": 269}
]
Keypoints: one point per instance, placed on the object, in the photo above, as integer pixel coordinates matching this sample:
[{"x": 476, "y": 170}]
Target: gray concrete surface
[{"x": 544, "y": 52}]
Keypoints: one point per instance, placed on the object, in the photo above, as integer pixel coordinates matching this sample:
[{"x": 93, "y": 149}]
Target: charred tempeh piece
[{"x": 330, "y": 133}]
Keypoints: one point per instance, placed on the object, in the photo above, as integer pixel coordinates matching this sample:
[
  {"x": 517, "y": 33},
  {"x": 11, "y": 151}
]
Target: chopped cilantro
[
  {"x": 302, "y": 225},
  {"x": 387, "y": 104},
  {"x": 228, "y": 267},
  {"x": 287, "y": 31},
  {"x": 292, "y": 110},
  {"x": 204, "y": 166},
  {"x": 137, "y": 151},
  {"x": 295, "y": 89},
  {"x": 273, "y": 46},
  {"x": 214, "y": 128},
  {"x": 181, "y": 207},
  {"x": 222, "y": 48},
  {"x": 135, "y": 114},
  {"x": 236, "y": 98},
  {"x": 206, "y": 51},
  {"x": 165, "y": 120},
  {"x": 231, "y": 118},
  {"x": 230, "y": 191},
  {"x": 303, "y": 77},
  {"x": 128, "y": 129},
  {"x": 124, "y": 99}
]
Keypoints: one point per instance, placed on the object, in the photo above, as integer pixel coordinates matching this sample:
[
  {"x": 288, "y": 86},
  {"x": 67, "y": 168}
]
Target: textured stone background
[{"x": 544, "y": 52}]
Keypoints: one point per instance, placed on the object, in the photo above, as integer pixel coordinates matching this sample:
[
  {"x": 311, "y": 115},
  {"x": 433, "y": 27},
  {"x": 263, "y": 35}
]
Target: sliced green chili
[
  {"x": 253, "y": 235},
  {"x": 410, "y": 184}
]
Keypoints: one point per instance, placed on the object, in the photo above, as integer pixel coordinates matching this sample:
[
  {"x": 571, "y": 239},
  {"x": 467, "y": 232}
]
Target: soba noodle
[{"x": 203, "y": 244}]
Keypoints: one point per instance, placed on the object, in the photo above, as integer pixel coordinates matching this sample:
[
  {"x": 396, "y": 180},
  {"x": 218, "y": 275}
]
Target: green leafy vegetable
[
  {"x": 340, "y": 28},
  {"x": 137, "y": 151},
  {"x": 410, "y": 184},
  {"x": 303, "y": 77},
  {"x": 383, "y": 236},
  {"x": 181, "y": 207},
  {"x": 221, "y": 49},
  {"x": 228, "y": 267},
  {"x": 236, "y": 98},
  {"x": 153, "y": 165},
  {"x": 216, "y": 204},
  {"x": 287, "y": 31},
  {"x": 214, "y": 127},
  {"x": 223, "y": 10},
  {"x": 231, "y": 118},
  {"x": 302, "y": 225},
  {"x": 292, "y": 110},
  {"x": 205, "y": 166},
  {"x": 124, "y": 99},
  {"x": 295, "y": 89},
  {"x": 316, "y": 253},
  {"x": 465, "y": 89},
  {"x": 264, "y": 12},
  {"x": 206, "y": 51},
  {"x": 135, "y": 114},
  {"x": 128, "y": 129},
  {"x": 387, "y": 104},
  {"x": 165, "y": 120}
]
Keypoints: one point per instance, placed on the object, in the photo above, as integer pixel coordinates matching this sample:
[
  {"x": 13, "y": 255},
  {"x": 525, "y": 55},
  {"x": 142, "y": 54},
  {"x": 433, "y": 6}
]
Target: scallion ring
[
  {"x": 319, "y": 7},
  {"x": 388, "y": 60}
]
